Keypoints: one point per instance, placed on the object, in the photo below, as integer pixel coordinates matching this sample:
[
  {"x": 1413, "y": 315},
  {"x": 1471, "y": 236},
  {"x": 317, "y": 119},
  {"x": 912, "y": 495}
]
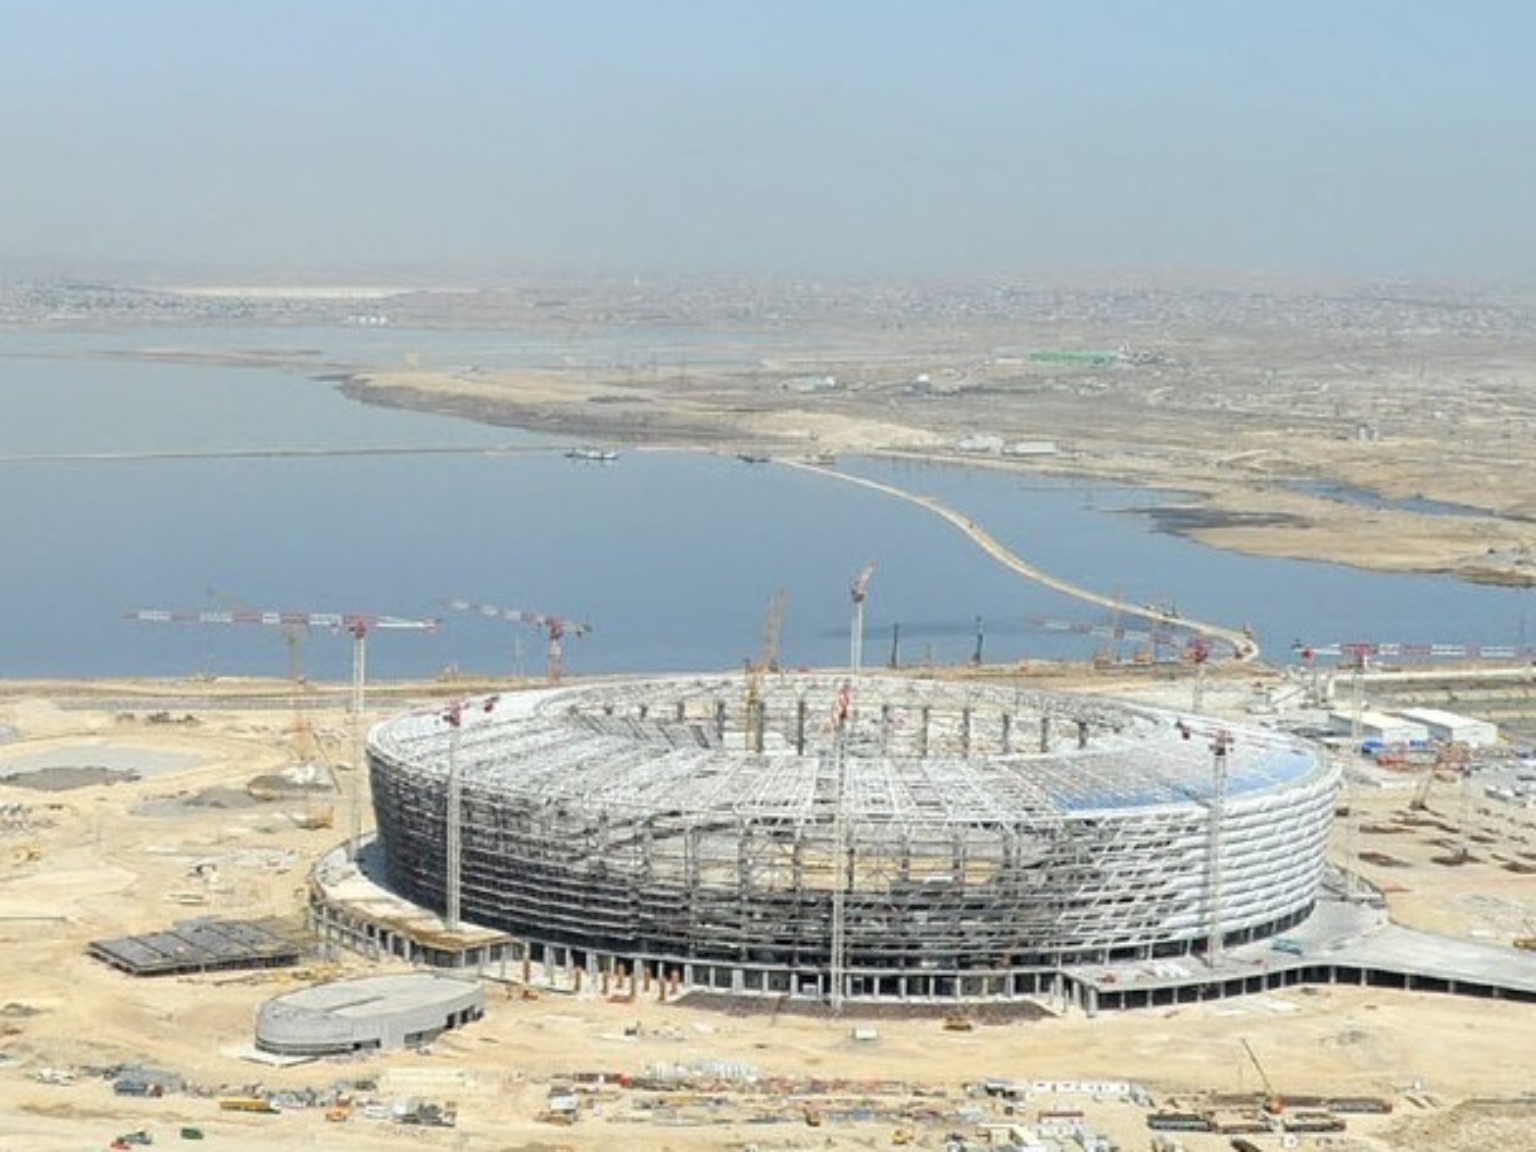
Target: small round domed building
[{"x": 865, "y": 837}]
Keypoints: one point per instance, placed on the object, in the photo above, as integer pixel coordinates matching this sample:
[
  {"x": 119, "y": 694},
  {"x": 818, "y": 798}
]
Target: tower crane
[
  {"x": 294, "y": 625},
  {"x": 767, "y": 659},
  {"x": 554, "y": 628},
  {"x": 1198, "y": 652},
  {"x": 455, "y": 716},
  {"x": 858, "y": 588}
]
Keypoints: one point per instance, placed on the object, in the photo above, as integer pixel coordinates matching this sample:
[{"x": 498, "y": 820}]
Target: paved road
[{"x": 1242, "y": 645}]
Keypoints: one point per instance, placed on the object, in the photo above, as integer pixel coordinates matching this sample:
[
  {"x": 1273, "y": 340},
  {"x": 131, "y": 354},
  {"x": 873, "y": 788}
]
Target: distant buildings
[
  {"x": 988, "y": 445},
  {"x": 1415, "y": 727}
]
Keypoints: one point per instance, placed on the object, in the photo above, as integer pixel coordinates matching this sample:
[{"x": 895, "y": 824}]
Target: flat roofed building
[
  {"x": 1380, "y": 726},
  {"x": 203, "y": 945},
  {"x": 1452, "y": 727},
  {"x": 402, "y": 1011}
]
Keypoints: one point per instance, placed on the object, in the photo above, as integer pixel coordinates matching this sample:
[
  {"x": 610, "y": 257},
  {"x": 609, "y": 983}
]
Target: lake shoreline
[{"x": 1231, "y": 512}]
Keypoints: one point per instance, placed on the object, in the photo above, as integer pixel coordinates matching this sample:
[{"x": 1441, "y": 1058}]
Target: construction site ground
[{"x": 122, "y": 816}]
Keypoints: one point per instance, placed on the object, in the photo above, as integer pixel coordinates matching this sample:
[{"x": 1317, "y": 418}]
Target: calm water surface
[{"x": 672, "y": 557}]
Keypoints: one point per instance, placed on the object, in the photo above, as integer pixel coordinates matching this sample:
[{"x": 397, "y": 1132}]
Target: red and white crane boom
[
  {"x": 353, "y": 622},
  {"x": 554, "y": 628},
  {"x": 294, "y": 624},
  {"x": 1192, "y": 646}
]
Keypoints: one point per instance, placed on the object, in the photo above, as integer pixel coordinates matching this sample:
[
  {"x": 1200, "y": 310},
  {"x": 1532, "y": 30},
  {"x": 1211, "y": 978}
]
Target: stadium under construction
[{"x": 875, "y": 837}]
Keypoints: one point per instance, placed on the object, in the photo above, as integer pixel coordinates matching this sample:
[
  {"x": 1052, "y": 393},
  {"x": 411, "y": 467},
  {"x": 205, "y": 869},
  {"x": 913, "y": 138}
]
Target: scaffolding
[{"x": 944, "y": 839}]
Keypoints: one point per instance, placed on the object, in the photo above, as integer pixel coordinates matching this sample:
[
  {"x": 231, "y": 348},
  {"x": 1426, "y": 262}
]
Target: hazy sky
[{"x": 858, "y": 136}]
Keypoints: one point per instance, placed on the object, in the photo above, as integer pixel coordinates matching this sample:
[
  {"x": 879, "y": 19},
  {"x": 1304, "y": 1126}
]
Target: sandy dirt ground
[{"x": 174, "y": 833}]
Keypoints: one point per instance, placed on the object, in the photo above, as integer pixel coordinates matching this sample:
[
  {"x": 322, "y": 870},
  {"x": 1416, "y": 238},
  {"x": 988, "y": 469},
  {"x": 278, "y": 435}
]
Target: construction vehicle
[
  {"x": 247, "y": 1104},
  {"x": 1288, "y": 945},
  {"x": 1273, "y": 1104},
  {"x": 1449, "y": 763}
]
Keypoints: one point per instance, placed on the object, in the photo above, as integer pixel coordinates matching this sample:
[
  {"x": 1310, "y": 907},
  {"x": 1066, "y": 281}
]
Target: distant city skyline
[{"x": 854, "y": 138}]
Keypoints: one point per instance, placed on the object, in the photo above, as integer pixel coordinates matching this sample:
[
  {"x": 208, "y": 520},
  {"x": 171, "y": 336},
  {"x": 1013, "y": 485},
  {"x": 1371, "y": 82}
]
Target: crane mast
[
  {"x": 1221, "y": 744},
  {"x": 858, "y": 589},
  {"x": 455, "y": 716},
  {"x": 767, "y": 659},
  {"x": 842, "y": 863}
]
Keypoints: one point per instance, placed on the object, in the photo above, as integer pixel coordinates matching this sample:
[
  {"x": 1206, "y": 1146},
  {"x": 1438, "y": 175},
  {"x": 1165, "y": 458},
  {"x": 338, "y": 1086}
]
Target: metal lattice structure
[{"x": 903, "y": 838}]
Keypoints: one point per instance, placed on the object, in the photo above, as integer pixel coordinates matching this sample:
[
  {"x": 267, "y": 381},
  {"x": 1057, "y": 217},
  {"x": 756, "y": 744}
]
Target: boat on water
[{"x": 598, "y": 455}]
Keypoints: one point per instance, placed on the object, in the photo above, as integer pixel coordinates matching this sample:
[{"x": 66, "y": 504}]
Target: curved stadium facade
[{"x": 880, "y": 837}]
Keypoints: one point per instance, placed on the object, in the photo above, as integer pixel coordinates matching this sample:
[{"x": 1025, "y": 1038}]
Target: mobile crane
[{"x": 1273, "y": 1104}]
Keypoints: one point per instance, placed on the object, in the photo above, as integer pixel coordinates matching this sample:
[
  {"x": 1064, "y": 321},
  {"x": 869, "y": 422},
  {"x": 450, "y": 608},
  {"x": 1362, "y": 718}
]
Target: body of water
[{"x": 673, "y": 558}]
